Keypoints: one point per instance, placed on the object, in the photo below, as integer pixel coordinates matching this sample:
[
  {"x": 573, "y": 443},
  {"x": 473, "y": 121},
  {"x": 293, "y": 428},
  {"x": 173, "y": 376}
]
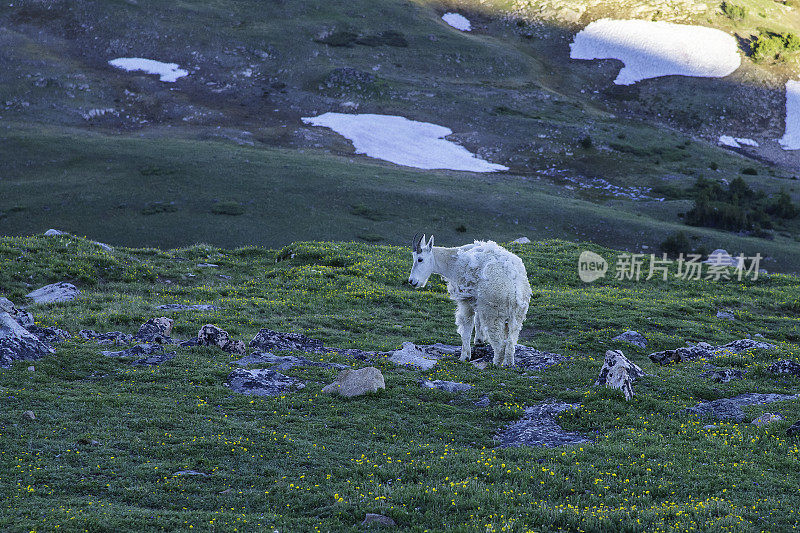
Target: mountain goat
[{"x": 490, "y": 287}]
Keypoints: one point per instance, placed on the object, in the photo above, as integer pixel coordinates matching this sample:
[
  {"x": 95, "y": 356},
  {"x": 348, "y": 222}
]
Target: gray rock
[
  {"x": 18, "y": 344},
  {"x": 154, "y": 354},
  {"x": 525, "y": 357},
  {"x": 767, "y": 418},
  {"x": 283, "y": 363},
  {"x": 211, "y": 335},
  {"x": 351, "y": 383},
  {"x": 156, "y": 330},
  {"x": 109, "y": 338},
  {"x": 372, "y": 518},
  {"x": 483, "y": 401},
  {"x": 793, "y": 430},
  {"x": 785, "y": 366},
  {"x": 618, "y": 372},
  {"x": 727, "y": 315},
  {"x": 189, "y": 473},
  {"x": 55, "y": 292},
  {"x": 632, "y": 337},
  {"x": 742, "y": 345},
  {"x": 22, "y": 317},
  {"x": 680, "y": 354},
  {"x": 447, "y": 386},
  {"x": 29, "y": 415},
  {"x": 49, "y": 335},
  {"x": 207, "y": 265},
  {"x": 267, "y": 340},
  {"x": 413, "y": 355},
  {"x": 54, "y": 232},
  {"x": 731, "y": 408},
  {"x": 262, "y": 382},
  {"x": 522, "y": 240},
  {"x": 539, "y": 428},
  {"x": 183, "y": 307},
  {"x": 722, "y": 375}
]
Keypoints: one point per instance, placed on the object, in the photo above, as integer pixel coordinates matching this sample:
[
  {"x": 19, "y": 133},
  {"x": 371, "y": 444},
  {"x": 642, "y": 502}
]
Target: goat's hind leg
[{"x": 465, "y": 320}]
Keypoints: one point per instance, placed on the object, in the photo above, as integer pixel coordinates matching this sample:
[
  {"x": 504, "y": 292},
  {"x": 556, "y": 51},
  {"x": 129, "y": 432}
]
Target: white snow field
[
  {"x": 459, "y": 22},
  {"x": 168, "y": 72},
  {"x": 736, "y": 142},
  {"x": 653, "y": 49},
  {"x": 791, "y": 136},
  {"x": 403, "y": 141}
]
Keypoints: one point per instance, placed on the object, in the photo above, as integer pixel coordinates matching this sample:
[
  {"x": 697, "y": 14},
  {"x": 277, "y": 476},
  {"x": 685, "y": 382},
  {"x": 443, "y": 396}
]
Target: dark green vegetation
[
  {"x": 126, "y": 159},
  {"x": 737, "y": 207},
  {"x": 426, "y": 458},
  {"x": 775, "y": 46},
  {"x": 734, "y": 11}
]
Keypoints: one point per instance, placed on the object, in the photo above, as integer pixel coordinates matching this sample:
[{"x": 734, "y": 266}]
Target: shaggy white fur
[{"x": 490, "y": 287}]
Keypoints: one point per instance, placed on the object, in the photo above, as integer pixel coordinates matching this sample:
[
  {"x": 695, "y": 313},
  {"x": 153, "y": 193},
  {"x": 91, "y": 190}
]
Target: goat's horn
[{"x": 415, "y": 242}]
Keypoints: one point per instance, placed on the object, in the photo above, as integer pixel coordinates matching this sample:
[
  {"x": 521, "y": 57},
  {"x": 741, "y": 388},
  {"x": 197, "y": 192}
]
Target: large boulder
[
  {"x": 262, "y": 382},
  {"x": 618, "y": 372},
  {"x": 351, "y": 383},
  {"x": 267, "y": 340},
  {"x": 632, "y": 337},
  {"x": 22, "y": 317},
  {"x": 17, "y": 343},
  {"x": 211, "y": 335},
  {"x": 731, "y": 408},
  {"x": 55, "y": 292},
  {"x": 156, "y": 330},
  {"x": 539, "y": 428}
]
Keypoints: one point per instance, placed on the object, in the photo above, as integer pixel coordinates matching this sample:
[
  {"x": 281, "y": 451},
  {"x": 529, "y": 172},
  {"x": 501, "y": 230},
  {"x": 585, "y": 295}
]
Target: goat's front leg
[{"x": 465, "y": 320}]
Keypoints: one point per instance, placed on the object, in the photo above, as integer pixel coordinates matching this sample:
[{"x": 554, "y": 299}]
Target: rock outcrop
[
  {"x": 267, "y": 340},
  {"x": 707, "y": 351},
  {"x": 154, "y": 354},
  {"x": 351, "y": 383},
  {"x": 278, "y": 362},
  {"x": 55, "y": 292},
  {"x": 618, "y": 372},
  {"x": 109, "y": 338},
  {"x": 785, "y": 366},
  {"x": 722, "y": 375},
  {"x": 22, "y": 317},
  {"x": 731, "y": 408},
  {"x": 447, "y": 386},
  {"x": 18, "y": 344},
  {"x": 156, "y": 330},
  {"x": 539, "y": 428},
  {"x": 632, "y": 337},
  {"x": 767, "y": 418},
  {"x": 262, "y": 382},
  {"x": 211, "y": 335}
]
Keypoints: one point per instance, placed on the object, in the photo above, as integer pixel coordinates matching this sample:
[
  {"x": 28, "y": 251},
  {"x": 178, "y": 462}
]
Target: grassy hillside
[{"x": 307, "y": 461}]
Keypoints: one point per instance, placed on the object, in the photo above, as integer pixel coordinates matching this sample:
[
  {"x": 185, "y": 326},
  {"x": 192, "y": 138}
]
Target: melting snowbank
[
  {"x": 653, "y": 49},
  {"x": 167, "y": 71},
  {"x": 791, "y": 136},
  {"x": 459, "y": 22},
  {"x": 403, "y": 141},
  {"x": 736, "y": 142}
]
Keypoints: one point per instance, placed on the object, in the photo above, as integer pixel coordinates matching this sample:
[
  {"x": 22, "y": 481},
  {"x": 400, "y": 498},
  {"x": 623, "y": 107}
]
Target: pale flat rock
[
  {"x": 262, "y": 382},
  {"x": 412, "y": 355},
  {"x": 55, "y": 292},
  {"x": 522, "y": 240},
  {"x": 351, "y": 382},
  {"x": 282, "y": 363},
  {"x": 632, "y": 337},
  {"x": 767, "y": 418},
  {"x": 447, "y": 386},
  {"x": 731, "y": 408},
  {"x": 785, "y": 366},
  {"x": 722, "y": 375},
  {"x": 18, "y": 344},
  {"x": 187, "y": 307},
  {"x": 539, "y": 428}
]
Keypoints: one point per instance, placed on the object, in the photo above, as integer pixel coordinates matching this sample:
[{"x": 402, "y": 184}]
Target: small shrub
[
  {"x": 158, "y": 207},
  {"x": 155, "y": 170},
  {"x": 713, "y": 165},
  {"x": 733, "y": 11},
  {"x": 750, "y": 171},
  {"x": 364, "y": 211},
  {"x": 586, "y": 143},
  {"x": 229, "y": 208},
  {"x": 461, "y": 228},
  {"x": 676, "y": 244},
  {"x": 769, "y": 46},
  {"x": 394, "y": 38}
]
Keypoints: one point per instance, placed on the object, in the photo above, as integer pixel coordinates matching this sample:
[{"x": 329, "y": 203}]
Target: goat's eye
[{"x": 419, "y": 259}]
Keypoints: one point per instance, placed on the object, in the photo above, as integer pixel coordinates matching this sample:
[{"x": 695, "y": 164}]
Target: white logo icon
[{"x": 591, "y": 266}]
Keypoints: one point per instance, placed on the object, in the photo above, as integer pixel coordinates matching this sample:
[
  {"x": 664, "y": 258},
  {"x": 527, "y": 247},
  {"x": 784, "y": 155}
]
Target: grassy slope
[{"x": 425, "y": 458}]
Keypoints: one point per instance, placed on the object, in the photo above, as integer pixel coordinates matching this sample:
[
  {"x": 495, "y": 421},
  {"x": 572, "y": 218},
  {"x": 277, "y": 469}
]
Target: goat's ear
[{"x": 430, "y": 243}]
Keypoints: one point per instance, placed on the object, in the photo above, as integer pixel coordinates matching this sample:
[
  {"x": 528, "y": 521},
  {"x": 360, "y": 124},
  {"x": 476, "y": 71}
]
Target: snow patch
[
  {"x": 168, "y": 72},
  {"x": 791, "y": 136},
  {"x": 459, "y": 22},
  {"x": 403, "y": 141},
  {"x": 736, "y": 142},
  {"x": 653, "y": 49}
]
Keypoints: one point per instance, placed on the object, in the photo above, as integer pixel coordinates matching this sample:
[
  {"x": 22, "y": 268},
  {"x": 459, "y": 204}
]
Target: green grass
[{"x": 306, "y": 461}]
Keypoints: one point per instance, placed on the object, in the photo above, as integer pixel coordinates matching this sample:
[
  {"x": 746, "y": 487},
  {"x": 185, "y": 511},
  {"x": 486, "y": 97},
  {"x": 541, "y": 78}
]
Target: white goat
[{"x": 490, "y": 287}]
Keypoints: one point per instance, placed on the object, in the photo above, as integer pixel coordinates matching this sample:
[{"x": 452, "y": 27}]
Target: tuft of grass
[
  {"x": 228, "y": 207},
  {"x": 155, "y": 208}
]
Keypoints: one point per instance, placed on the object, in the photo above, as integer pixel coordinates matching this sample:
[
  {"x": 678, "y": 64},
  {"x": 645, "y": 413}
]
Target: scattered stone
[
  {"x": 190, "y": 473},
  {"x": 483, "y": 401},
  {"x": 283, "y": 363},
  {"x": 211, "y": 335},
  {"x": 207, "y": 265},
  {"x": 17, "y": 343},
  {"x": 710, "y": 426},
  {"x": 183, "y": 307},
  {"x": 55, "y": 292},
  {"x": 632, "y": 337},
  {"x": 190, "y": 342},
  {"x": 522, "y": 240},
  {"x": 722, "y": 375},
  {"x": 681, "y": 354},
  {"x": 619, "y": 373},
  {"x": 411, "y": 354},
  {"x": 156, "y": 330},
  {"x": 731, "y": 408},
  {"x": 262, "y": 382},
  {"x": 112, "y": 337},
  {"x": 742, "y": 345},
  {"x": 793, "y": 430},
  {"x": 766, "y": 418},
  {"x": 539, "y": 428},
  {"x": 785, "y": 366},
  {"x": 353, "y": 353},
  {"x": 53, "y": 232},
  {"x": 372, "y": 518},
  {"x": 31, "y": 368},
  {"x": 155, "y": 354},
  {"x": 727, "y": 315},
  {"x": 525, "y": 357},
  {"x": 447, "y": 386},
  {"x": 22, "y": 317},
  {"x": 351, "y": 383},
  {"x": 267, "y": 340},
  {"x": 29, "y": 415},
  {"x": 49, "y": 335}
]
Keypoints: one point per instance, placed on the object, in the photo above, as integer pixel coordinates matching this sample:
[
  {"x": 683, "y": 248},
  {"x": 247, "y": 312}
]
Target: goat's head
[{"x": 422, "y": 265}]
